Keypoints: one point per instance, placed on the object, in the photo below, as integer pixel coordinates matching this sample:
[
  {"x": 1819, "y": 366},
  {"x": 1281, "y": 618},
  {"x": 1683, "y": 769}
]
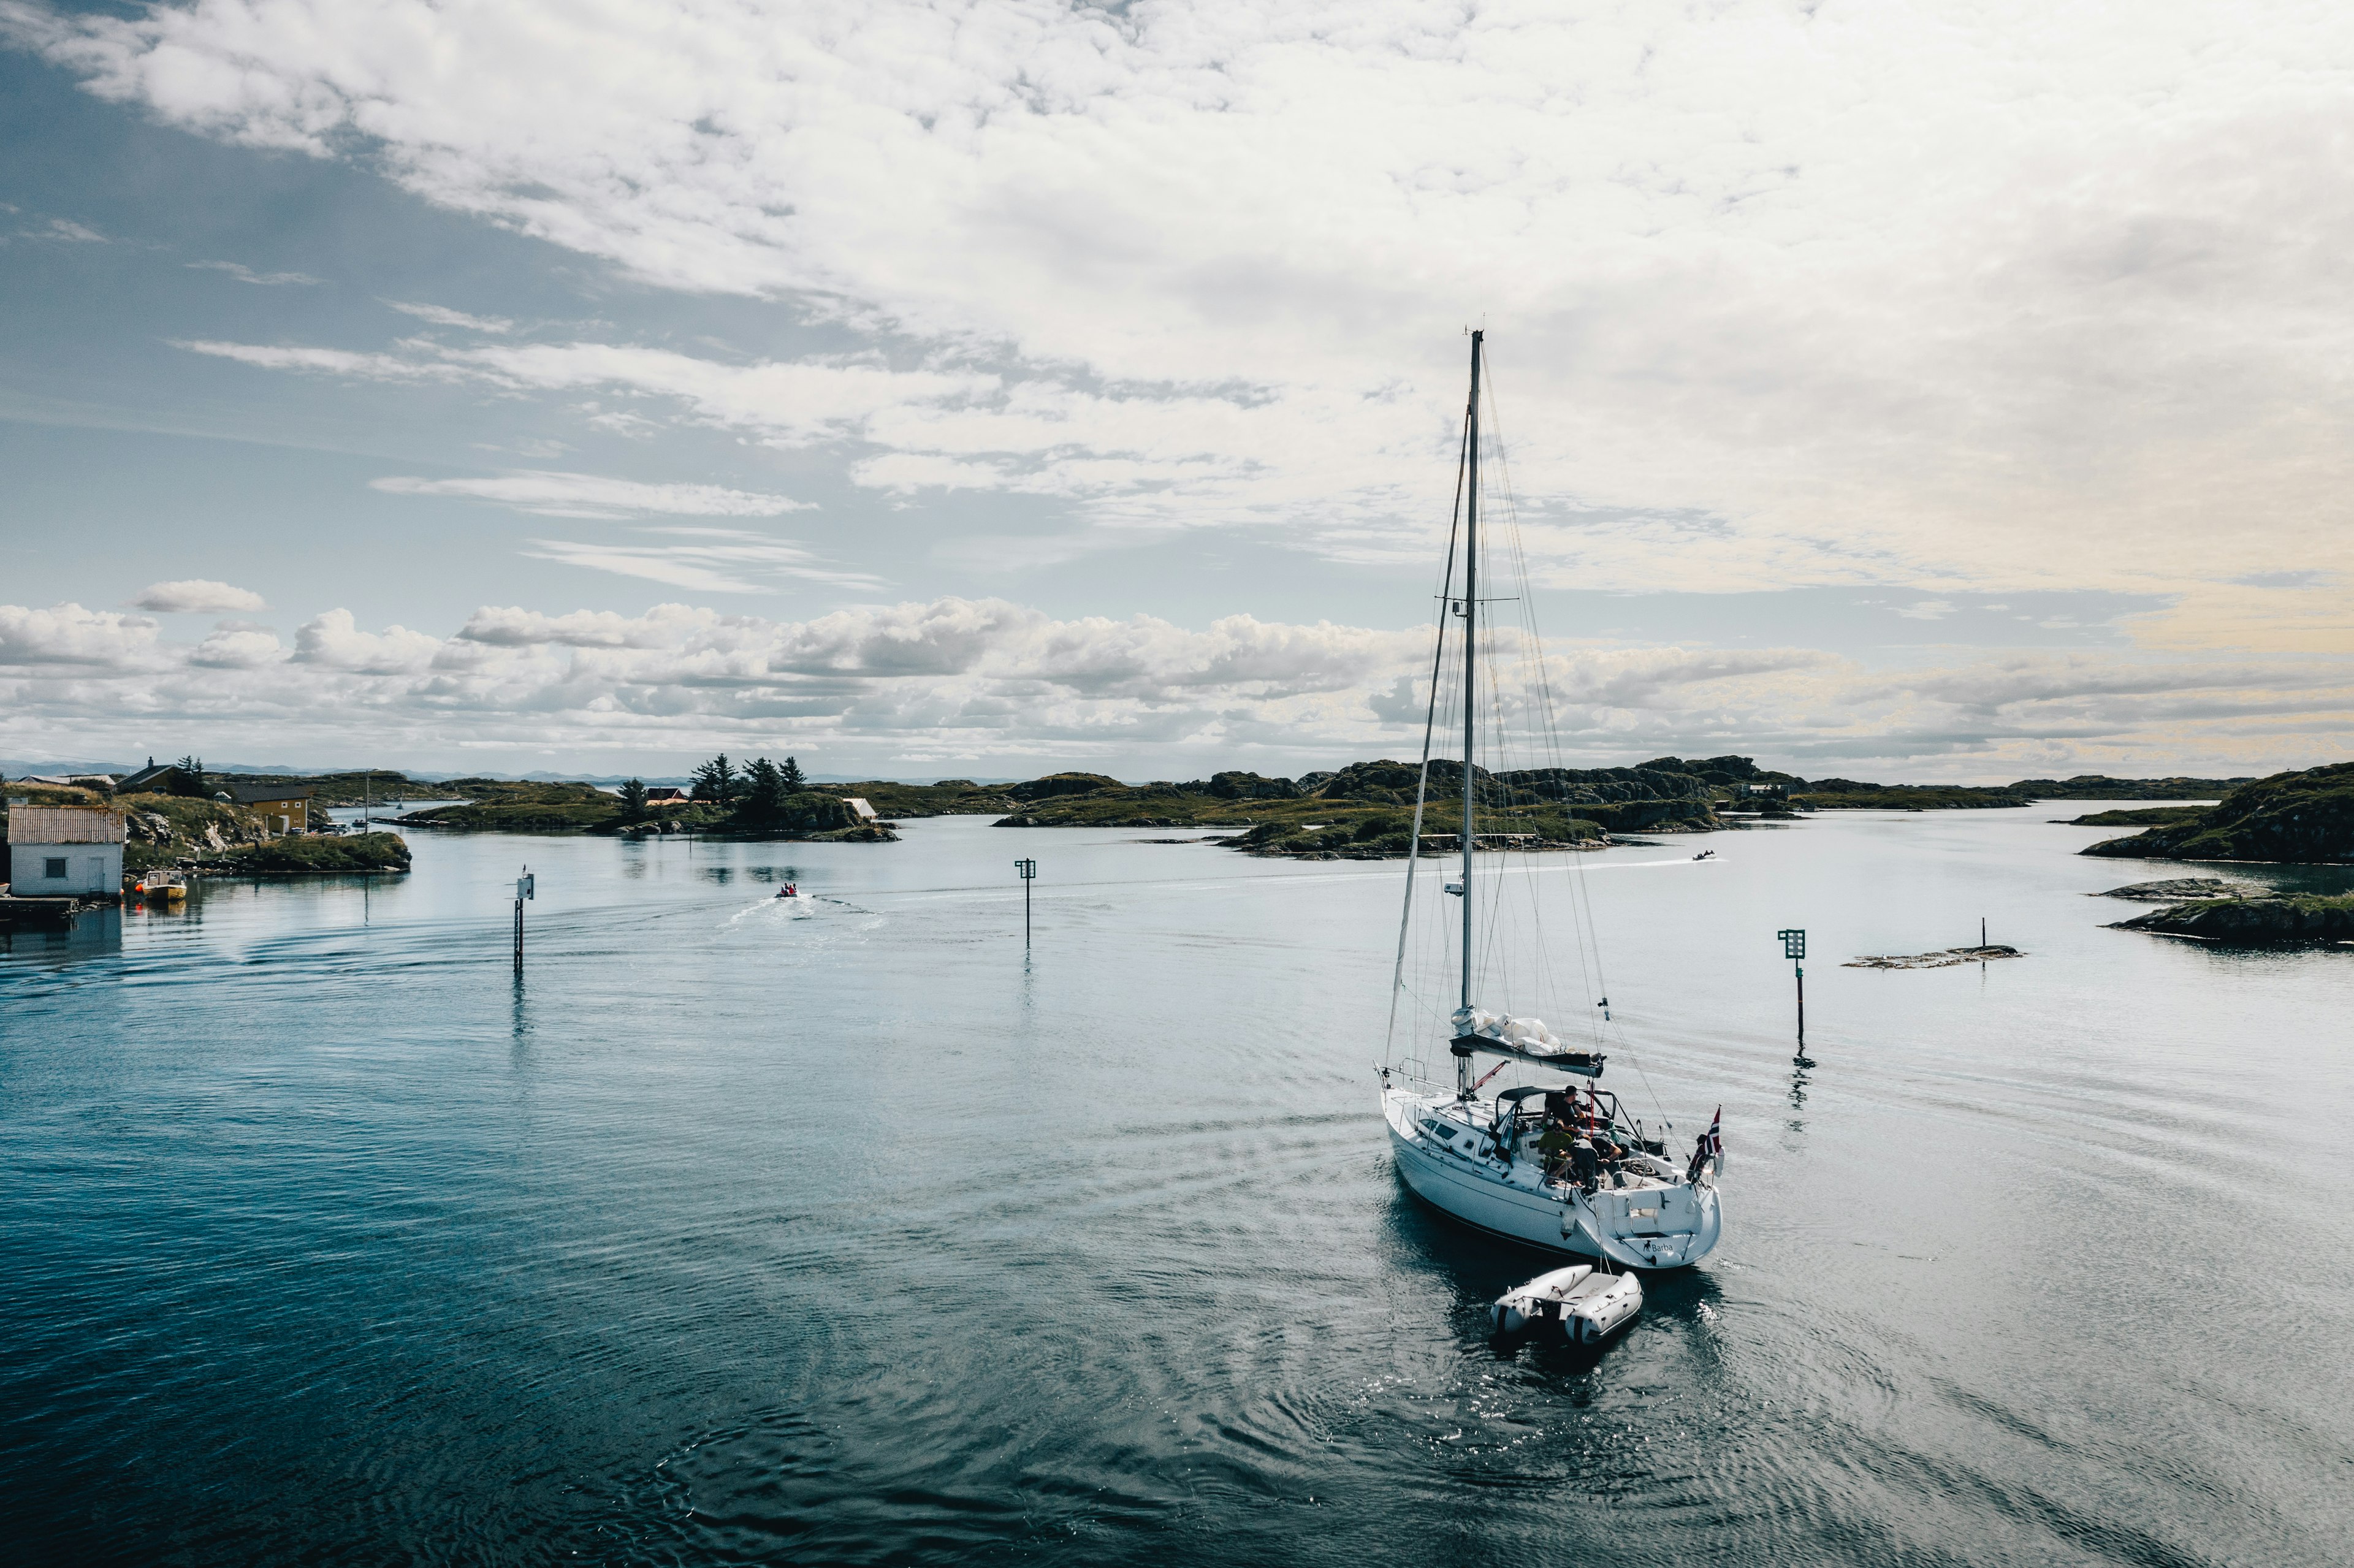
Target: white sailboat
[{"x": 1558, "y": 1163}]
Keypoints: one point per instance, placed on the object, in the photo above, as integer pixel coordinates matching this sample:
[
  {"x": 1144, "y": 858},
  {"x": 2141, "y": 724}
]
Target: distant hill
[{"x": 2101, "y": 787}]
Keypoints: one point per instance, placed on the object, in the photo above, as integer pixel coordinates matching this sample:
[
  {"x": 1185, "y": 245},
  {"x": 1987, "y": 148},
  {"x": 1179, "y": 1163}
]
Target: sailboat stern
[
  {"x": 1448, "y": 1156},
  {"x": 1651, "y": 1227}
]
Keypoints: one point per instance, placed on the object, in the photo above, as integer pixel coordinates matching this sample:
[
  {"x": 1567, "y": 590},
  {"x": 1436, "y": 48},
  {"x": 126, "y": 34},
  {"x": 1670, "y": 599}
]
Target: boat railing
[{"x": 1414, "y": 1070}]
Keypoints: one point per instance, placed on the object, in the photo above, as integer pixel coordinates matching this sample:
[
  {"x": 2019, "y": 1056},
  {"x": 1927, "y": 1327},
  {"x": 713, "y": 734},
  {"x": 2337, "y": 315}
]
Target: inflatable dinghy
[{"x": 1583, "y": 1304}]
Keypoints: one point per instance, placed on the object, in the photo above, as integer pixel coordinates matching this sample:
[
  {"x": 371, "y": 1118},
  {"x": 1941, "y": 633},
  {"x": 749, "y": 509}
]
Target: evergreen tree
[
  {"x": 716, "y": 781},
  {"x": 633, "y": 799},
  {"x": 764, "y": 790},
  {"x": 188, "y": 777},
  {"x": 794, "y": 782}
]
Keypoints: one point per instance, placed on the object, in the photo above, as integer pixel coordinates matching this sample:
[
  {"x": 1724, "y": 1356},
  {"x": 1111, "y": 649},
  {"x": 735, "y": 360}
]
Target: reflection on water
[
  {"x": 93, "y": 934},
  {"x": 843, "y": 1229}
]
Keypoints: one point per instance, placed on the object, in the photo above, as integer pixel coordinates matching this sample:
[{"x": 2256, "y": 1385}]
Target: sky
[{"x": 1913, "y": 392}]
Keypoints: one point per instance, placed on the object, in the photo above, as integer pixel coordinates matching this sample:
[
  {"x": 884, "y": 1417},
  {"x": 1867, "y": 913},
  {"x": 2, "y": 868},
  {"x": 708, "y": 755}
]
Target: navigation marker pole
[
  {"x": 525, "y": 886},
  {"x": 1029, "y": 870},
  {"x": 1794, "y": 947}
]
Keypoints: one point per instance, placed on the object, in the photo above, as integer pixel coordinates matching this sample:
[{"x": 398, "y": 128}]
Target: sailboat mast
[{"x": 1470, "y": 649}]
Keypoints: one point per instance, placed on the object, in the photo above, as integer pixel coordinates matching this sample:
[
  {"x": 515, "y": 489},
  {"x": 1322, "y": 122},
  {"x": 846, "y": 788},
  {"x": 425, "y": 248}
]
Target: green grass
[{"x": 2321, "y": 903}]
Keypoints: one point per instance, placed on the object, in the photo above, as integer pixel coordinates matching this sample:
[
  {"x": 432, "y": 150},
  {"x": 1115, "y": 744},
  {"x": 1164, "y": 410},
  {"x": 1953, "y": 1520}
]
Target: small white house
[
  {"x": 860, "y": 809},
  {"x": 58, "y": 851}
]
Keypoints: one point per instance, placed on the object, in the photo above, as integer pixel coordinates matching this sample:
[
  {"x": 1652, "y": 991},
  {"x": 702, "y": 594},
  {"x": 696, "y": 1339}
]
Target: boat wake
[{"x": 773, "y": 911}]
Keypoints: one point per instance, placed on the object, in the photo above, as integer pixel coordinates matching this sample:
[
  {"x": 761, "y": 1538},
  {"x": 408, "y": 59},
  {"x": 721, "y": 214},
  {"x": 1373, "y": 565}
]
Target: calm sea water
[{"x": 843, "y": 1232}]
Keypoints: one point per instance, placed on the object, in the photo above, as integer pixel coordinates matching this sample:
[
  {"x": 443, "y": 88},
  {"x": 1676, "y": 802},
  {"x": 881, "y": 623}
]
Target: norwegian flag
[{"x": 1711, "y": 1145}]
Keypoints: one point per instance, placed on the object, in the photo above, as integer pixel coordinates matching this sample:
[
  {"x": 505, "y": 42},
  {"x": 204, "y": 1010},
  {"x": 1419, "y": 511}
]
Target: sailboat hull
[{"x": 1652, "y": 1228}]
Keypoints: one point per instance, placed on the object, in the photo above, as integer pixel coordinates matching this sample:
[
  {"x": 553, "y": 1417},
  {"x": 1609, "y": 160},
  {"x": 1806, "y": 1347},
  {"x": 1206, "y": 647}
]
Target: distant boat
[
  {"x": 1565, "y": 1169},
  {"x": 1706, "y": 854}
]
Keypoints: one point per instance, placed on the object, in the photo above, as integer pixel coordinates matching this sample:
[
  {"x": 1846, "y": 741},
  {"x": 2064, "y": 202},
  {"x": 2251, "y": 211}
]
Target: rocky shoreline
[{"x": 2298, "y": 920}]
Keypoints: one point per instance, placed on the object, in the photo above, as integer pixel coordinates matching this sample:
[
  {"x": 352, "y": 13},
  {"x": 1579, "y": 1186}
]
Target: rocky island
[
  {"x": 2136, "y": 817},
  {"x": 1944, "y": 959},
  {"x": 2182, "y": 889},
  {"x": 762, "y": 801},
  {"x": 2300, "y": 818},
  {"x": 2268, "y": 920}
]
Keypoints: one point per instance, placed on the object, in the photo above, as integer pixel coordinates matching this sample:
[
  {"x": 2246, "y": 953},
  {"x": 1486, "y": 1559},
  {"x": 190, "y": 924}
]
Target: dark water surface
[{"x": 839, "y": 1233}]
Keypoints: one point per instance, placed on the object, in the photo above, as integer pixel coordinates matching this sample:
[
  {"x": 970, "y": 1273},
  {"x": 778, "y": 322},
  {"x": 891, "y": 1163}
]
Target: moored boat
[{"x": 161, "y": 887}]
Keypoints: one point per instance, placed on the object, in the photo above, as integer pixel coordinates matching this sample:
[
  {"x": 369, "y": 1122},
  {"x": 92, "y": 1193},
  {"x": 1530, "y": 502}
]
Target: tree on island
[
  {"x": 794, "y": 782},
  {"x": 764, "y": 791},
  {"x": 633, "y": 799},
  {"x": 189, "y": 777},
  {"x": 718, "y": 782}
]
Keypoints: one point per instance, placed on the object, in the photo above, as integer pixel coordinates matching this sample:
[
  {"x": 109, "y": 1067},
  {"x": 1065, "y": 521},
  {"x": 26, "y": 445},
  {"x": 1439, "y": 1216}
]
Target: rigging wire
[
  {"x": 1586, "y": 928},
  {"x": 1422, "y": 781}
]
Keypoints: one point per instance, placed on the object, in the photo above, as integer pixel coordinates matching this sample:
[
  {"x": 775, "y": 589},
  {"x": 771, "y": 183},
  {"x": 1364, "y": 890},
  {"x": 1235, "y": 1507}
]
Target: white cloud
[
  {"x": 339, "y": 361},
  {"x": 244, "y": 274},
  {"x": 1927, "y": 610},
  {"x": 336, "y": 642},
  {"x": 237, "y": 645},
  {"x": 516, "y": 627},
  {"x": 1859, "y": 286},
  {"x": 990, "y": 685},
  {"x": 68, "y": 634},
  {"x": 792, "y": 403},
  {"x": 556, "y": 494},
  {"x": 66, "y": 229},
  {"x": 197, "y": 596},
  {"x": 441, "y": 315},
  {"x": 710, "y": 560}
]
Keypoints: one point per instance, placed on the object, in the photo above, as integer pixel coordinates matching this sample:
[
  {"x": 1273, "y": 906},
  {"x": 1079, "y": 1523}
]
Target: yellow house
[{"x": 282, "y": 808}]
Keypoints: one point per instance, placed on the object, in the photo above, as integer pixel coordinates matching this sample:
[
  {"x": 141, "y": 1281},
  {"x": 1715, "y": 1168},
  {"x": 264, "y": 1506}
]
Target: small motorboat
[
  {"x": 1706, "y": 854},
  {"x": 163, "y": 887},
  {"x": 789, "y": 891},
  {"x": 1581, "y": 1303}
]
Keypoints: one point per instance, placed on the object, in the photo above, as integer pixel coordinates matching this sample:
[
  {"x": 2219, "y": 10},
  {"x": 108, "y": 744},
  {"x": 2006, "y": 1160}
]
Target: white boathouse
[{"x": 57, "y": 852}]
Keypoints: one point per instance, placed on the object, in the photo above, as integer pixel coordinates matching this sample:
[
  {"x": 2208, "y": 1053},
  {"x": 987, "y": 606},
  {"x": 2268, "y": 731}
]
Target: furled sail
[{"x": 1477, "y": 1029}]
